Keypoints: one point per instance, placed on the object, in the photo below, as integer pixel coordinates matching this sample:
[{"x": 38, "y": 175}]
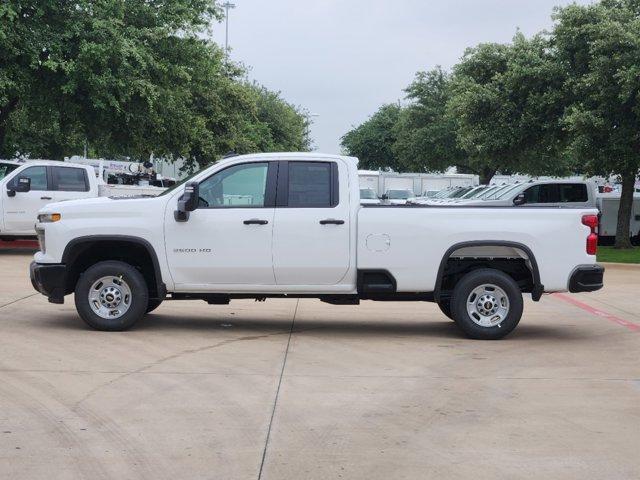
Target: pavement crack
[
  {"x": 275, "y": 400},
  {"x": 18, "y": 300},
  {"x": 172, "y": 357}
]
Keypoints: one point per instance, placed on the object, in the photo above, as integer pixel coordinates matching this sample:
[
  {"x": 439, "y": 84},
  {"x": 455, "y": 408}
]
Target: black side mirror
[
  {"x": 384, "y": 197},
  {"x": 22, "y": 185},
  {"x": 188, "y": 202},
  {"x": 519, "y": 200}
]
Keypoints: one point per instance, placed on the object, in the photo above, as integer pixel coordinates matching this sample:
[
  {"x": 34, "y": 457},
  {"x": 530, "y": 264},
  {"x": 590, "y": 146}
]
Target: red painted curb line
[{"x": 598, "y": 313}]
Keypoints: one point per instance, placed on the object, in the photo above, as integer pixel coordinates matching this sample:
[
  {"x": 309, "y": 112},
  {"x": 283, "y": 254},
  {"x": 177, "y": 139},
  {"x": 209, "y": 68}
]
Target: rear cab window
[
  {"x": 308, "y": 185},
  {"x": 69, "y": 179}
]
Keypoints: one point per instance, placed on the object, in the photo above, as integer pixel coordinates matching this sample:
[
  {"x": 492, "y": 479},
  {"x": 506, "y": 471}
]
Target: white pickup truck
[
  {"x": 26, "y": 187},
  {"x": 291, "y": 225}
]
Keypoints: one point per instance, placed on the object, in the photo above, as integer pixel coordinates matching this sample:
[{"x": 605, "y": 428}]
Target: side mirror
[
  {"x": 22, "y": 185},
  {"x": 384, "y": 197},
  {"x": 519, "y": 200},
  {"x": 188, "y": 202}
]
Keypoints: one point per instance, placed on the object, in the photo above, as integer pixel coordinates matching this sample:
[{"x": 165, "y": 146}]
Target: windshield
[
  {"x": 445, "y": 193},
  {"x": 367, "y": 194},
  {"x": 6, "y": 168},
  {"x": 461, "y": 192},
  {"x": 488, "y": 192},
  {"x": 508, "y": 192},
  {"x": 474, "y": 192},
  {"x": 398, "y": 194},
  {"x": 499, "y": 191}
]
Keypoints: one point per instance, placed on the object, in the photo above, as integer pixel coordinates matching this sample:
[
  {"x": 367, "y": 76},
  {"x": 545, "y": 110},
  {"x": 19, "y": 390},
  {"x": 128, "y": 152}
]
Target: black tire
[
  {"x": 153, "y": 304},
  {"x": 463, "y": 291},
  {"x": 138, "y": 300},
  {"x": 445, "y": 307}
]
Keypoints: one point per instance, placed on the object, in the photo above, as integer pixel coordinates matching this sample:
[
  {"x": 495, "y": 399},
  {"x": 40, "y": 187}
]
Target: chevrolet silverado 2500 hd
[{"x": 275, "y": 225}]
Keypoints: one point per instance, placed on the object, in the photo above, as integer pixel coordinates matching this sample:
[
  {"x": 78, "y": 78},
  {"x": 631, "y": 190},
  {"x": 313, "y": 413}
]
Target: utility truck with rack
[
  {"x": 27, "y": 186},
  {"x": 292, "y": 225}
]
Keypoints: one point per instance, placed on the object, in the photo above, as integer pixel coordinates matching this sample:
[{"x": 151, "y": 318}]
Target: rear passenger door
[
  {"x": 70, "y": 183},
  {"x": 311, "y": 231}
]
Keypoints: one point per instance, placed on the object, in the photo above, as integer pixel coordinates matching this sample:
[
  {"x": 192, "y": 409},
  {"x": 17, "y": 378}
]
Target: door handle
[
  {"x": 331, "y": 221},
  {"x": 46, "y": 198},
  {"x": 255, "y": 221}
]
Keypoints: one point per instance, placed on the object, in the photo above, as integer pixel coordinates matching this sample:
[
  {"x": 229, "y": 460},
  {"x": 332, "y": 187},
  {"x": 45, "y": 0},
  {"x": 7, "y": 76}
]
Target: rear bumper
[
  {"x": 49, "y": 280},
  {"x": 586, "y": 278}
]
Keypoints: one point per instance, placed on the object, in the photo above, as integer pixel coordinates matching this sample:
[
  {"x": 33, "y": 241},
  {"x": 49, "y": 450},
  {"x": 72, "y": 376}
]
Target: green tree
[
  {"x": 426, "y": 138},
  {"x": 599, "y": 47},
  {"x": 130, "y": 78},
  {"x": 373, "y": 141},
  {"x": 506, "y": 102}
]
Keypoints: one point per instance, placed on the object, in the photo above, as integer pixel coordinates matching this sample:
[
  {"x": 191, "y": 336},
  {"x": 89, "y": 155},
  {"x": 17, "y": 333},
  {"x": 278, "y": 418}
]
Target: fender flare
[
  {"x": 68, "y": 254},
  {"x": 538, "y": 288}
]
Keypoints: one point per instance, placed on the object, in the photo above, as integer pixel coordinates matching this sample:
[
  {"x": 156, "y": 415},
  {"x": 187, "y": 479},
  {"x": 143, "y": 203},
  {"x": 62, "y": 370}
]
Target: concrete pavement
[{"x": 291, "y": 389}]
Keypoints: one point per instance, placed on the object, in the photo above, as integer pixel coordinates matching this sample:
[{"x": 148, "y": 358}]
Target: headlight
[
  {"x": 49, "y": 217},
  {"x": 40, "y": 235}
]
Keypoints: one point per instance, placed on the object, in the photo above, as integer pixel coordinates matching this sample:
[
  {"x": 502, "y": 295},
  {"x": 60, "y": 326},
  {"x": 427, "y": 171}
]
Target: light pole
[{"x": 227, "y": 6}]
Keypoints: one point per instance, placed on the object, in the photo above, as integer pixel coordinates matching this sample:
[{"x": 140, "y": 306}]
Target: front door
[
  {"x": 311, "y": 236},
  {"x": 21, "y": 210},
  {"x": 227, "y": 239}
]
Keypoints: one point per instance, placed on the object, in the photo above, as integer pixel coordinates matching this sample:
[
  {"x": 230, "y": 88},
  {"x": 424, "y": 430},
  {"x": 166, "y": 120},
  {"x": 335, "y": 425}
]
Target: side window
[
  {"x": 532, "y": 194},
  {"x": 544, "y": 193},
  {"x": 573, "y": 192},
  {"x": 311, "y": 184},
  {"x": 238, "y": 186},
  {"x": 69, "y": 179},
  {"x": 38, "y": 176}
]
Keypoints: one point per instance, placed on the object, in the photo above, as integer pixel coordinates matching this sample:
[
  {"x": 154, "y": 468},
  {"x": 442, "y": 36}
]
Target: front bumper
[
  {"x": 49, "y": 280},
  {"x": 586, "y": 278}
]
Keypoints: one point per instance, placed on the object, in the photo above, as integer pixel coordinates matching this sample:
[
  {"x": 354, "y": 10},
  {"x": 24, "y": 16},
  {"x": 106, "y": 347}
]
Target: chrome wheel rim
[
  {"x": 488, "y": 305},
  {"x": 110, "y": 297}
]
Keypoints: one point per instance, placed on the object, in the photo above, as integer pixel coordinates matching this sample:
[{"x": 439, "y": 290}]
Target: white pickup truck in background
[
  {"x": 27, "y": 186},
  {"x": 291, "y": 225}
]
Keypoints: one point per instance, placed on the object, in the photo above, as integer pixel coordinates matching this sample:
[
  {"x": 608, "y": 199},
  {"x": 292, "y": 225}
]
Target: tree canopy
[
  {"x": 564, "y": 101},
  {"x": 130, "y": 78}
]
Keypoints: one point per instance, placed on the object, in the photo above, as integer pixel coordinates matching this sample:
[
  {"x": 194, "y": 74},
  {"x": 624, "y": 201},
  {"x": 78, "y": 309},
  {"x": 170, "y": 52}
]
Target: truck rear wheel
[
  {"x": 487, "y": 304},
  {"x": 111, "y": 296}
]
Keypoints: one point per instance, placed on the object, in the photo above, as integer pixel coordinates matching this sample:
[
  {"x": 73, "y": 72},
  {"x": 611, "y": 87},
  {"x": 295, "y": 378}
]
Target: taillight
[{"x": 591, "y": 221}]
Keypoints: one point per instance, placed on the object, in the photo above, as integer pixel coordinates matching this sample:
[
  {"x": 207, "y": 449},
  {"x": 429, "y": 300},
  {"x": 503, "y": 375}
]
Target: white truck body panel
[
  {"x": 419, "y": 237},
  {"x": 293, "y": 253}
]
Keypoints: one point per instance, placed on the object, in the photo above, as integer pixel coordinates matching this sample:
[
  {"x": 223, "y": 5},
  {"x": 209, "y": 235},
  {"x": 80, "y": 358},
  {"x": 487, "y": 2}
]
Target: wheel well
[
  {"x": 512, "y": 260},
  {"x": 81, "y": 256}
]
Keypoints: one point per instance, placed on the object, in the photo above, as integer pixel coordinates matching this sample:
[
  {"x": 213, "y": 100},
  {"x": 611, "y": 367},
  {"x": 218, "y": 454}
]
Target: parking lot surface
[{"x": 291, "y": 389}]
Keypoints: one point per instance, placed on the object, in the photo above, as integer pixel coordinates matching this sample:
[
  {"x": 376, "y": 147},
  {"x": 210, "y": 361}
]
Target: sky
[{"x": 341, "y": 60}]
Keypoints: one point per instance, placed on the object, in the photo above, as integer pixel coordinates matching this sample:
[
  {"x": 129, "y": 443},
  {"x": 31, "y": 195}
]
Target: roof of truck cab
[
  {"x": 300, "y": 156},
  {"x": 57, "y": 163}
]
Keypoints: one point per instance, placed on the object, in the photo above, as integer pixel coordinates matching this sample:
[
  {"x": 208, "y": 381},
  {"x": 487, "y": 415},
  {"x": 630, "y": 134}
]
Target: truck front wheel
[
  {"x": 487, "y": 304},
  {"x": 111, "y": 296}
]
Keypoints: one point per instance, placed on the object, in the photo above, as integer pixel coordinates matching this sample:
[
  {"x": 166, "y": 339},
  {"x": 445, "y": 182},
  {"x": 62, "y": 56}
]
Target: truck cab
[{"x": 26, "y": 187}]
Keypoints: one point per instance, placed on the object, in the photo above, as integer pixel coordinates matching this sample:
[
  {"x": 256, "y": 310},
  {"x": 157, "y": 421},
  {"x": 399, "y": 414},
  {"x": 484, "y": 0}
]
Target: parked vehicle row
[
  {"x": 544, "y": 193},
  {"x": 292, "y": 225}
]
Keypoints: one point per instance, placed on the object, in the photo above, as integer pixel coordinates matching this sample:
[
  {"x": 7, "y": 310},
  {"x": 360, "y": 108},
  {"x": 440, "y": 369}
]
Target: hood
[{"x": 101, "y": 204}]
